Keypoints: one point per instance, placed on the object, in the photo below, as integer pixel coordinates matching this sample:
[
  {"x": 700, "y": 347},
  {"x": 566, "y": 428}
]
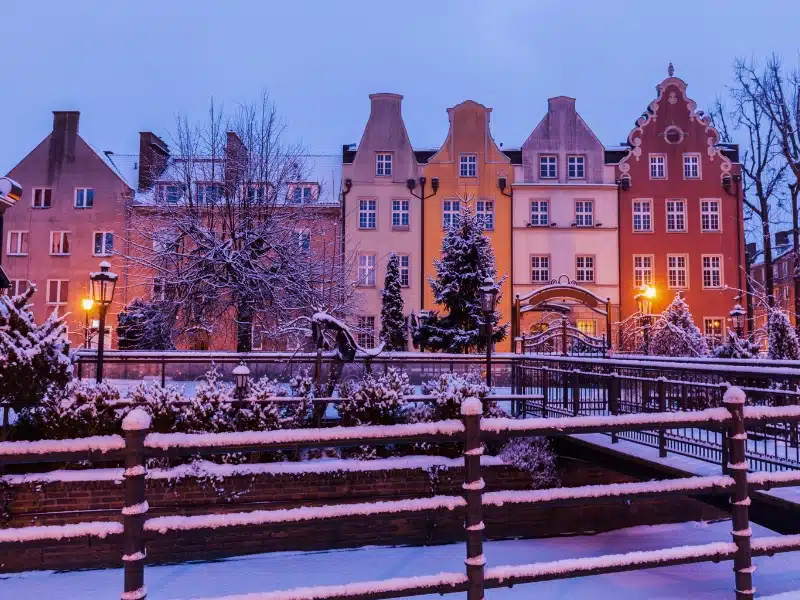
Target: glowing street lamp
[
  {"x": 87, "y": 304},
  {"x": 242, "y": 375},
  {"x": 644, "y": 301},
  {"x": 737, "y": 318},
  {"x": 489, "y": 293},
  {"x": 103, "y": 283}
]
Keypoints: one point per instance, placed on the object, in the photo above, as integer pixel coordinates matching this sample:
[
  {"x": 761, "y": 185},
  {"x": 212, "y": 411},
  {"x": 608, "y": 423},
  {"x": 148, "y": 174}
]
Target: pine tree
[
  {"x": 736, "y": 347},
  {"x": 782, "y": 338},
  {"x": 147, "y": 325},
  {"x": 675, "y": 334},
  {"x": 467, "y": 259},
  {"x": 34, "y": 359},
  {"x": 393, "y": 323}
]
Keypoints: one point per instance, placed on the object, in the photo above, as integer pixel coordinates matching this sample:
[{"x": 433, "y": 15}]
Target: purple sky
[{"x": 132, "y": 66}]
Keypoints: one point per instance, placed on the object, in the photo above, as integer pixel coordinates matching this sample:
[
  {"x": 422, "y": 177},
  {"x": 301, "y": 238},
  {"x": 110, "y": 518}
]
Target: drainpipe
[{"x": 348, "y": 185}]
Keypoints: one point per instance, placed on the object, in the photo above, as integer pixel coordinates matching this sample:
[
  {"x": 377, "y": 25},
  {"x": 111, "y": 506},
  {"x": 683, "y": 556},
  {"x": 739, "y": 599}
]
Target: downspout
[
  {"x": 348, "y": 184},
  {"x": 740, "y": 236}
]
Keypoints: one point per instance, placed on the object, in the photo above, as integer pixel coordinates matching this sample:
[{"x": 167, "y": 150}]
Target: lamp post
[
  {"x": 644, "y": 300},
  {"x": 488, "y": 304},
  {"x": 104, "y": 284},
  {"x": 87, "y": 304},
  {"x": 242, "y": 375},
  {"x": 737, "y": 318},
  {"x": 411, "y": 184}
]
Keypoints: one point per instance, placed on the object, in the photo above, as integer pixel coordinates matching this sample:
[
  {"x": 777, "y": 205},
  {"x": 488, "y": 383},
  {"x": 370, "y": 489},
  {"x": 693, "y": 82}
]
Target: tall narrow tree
[{"x": 393, "y": 324}]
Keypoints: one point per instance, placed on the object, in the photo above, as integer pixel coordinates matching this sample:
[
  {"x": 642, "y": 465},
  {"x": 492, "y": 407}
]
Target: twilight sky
[{"x": 133, "y": 66}]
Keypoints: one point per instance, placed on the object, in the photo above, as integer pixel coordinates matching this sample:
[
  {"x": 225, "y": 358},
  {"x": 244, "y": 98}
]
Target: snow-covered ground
[{"x": 266, "y": 572}]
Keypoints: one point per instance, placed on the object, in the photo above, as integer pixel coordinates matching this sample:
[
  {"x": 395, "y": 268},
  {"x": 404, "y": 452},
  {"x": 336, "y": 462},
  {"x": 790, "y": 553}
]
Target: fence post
[
  {"x": 662, "y": 407},
  {"x": 163, "y": 373},
  {"x": 135, "y": 425},
  {"x": 576, "y": 394},
  {"x": 545, "y": 390},
  {"x": 471, "y": 410},
  {"x": 613, "y": 402},
  {"x": 564, "y": 388},
  {"x": 742, "y": 561}
]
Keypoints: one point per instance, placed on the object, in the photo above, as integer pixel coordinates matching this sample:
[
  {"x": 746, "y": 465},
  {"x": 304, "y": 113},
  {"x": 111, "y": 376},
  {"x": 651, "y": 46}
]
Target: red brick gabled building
[{"x": 680, "y": 212}]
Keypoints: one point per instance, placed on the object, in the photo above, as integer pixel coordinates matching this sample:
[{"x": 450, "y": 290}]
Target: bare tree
[{"x": 236, "y": 232}]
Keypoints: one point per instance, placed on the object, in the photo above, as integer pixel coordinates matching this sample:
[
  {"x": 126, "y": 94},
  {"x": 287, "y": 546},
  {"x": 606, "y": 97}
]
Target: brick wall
[{"x": 54, "y": 503}]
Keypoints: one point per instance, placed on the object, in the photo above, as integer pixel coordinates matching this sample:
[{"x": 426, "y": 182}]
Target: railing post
[
  {"x": 163, "y": 373},
  {"x": 471, "y": 410},
  {"x": 545, "y": 390},
  {"x": 740, "y": 502},
  {"x": 135, "y": 425},
  {"x": 576, "y": 394},
  {"x": 645, "y": 395},
  {"x": 613, "y": 402},
  {"x": 564, "y": 388},
  {"x": 662, "y": 407}
]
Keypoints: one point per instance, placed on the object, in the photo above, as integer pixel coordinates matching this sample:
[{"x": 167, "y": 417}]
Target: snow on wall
[
  {"x": 97, "y": 529},
  {"x": 98, "y": 443}
]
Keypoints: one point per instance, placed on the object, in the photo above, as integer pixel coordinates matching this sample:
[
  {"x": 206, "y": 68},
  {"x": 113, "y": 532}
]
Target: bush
[
  {"x": 534, "y": 456},
  {"x": 376, "y": 400},
  {"x": 449, "y": 391},
  {"x": 161, "y": 403}
]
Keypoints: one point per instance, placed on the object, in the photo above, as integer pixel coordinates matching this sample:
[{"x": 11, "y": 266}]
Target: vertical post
[
  {"x": 740, "y": 502},
  {"x": 563, "y": 336},
  {"x": 488, "y": 352},
  {"x": 135, "y": 425},
  {"x": 662, "y": 407},
  {"x": 564, "y": 389},
  {"x": 101, "y": 342},
  {"x": 613, "y": 401},
  {"x": 471, "y": 410},
  {"x": 576, "y": 394},
  {"x": 6, "y": 410},
  {"x": 163, "y": 372},
  {"x": 545, "y": 390}
]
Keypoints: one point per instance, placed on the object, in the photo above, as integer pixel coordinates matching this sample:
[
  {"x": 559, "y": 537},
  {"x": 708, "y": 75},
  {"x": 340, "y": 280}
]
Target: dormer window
[
  {"x": 547, "y": 166},
  {"x": 172, "y": 193},
  {"x": 468, "y": 165},
  {"x": 575, "y": 167},
  {"x": 383, "y": 164},
  {"x": 302, "y": 193}
]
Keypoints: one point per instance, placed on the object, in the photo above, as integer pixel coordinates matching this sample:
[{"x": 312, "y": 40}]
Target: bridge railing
[{"x": 136, "y": 445}]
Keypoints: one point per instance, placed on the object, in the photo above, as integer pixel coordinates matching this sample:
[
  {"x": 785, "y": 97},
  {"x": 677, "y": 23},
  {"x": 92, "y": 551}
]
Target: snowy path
[{"x": 282, "y": 570}]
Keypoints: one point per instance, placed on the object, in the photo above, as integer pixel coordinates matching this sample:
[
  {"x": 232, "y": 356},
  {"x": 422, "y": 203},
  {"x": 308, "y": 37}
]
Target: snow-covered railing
[{"x": 94, "y": 449}]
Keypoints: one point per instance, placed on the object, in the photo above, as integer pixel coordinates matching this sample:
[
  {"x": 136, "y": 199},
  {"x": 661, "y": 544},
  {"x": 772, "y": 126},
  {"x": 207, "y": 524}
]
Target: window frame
[
  {"x": 721, "y": 258},
  {"x": 371, "y": 213},
  {"x": 682, "y": 202},
  {"x": 651, "y": 270},
  {"x": 649, "y": 202},
  {"x": 105, "y": 251},
  {"x": 714, "y": 338},
  {"x": 403, "y": 210},
  {"x": 482, "y": 214},
  {"x": 303, "y": 239},
  {"x": 697, "y": 156},
  {"x": 583, "y": 213},
  {"x": 454, "y": 214},
  {"x": 531, "y": 268},
  {"x": 539, "y": 213},
  {"x": 44, "y": 195},
  {"x": 578, "y": 323},
  {"x": 406, "y": 269},
  {"x": 381, "y": 163},
  {"x": 369, "y": 271},
  {"x": 651, "y": 158},
  {"x": 545, "y": 163},
  {"x": 162, "y": 189},
  {"x": 718, "y": 213},
  {"x": 19, "y": 246},
  {"x": 585, "y": 268},
  {"x": 86, "y": 193},
  {"x": 16, "y": 288},
  {"x": 361, "y": 325},
  {"x": 685, "y": 270},
  {"x": 201, "y": 198},
  {"x": 582, "y": 163},
  {"x": 471, "y": 165},
  {"x": 62, "y": 234},
  {"x": 59, "y": 301}
]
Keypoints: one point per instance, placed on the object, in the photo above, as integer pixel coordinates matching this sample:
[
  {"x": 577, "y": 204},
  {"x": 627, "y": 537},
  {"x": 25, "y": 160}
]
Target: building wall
[
  {"x": 470, "y": 134},
  {"x": 672, "y": 127},
  {"x": 63, "y": 161}
]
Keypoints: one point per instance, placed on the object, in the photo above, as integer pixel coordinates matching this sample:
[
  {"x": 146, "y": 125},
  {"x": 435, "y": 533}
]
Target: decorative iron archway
[{"x": 564, "y": 335}]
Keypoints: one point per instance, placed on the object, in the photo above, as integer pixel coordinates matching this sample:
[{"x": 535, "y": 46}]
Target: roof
[
  {"x": 104, "y": 156},
  {"x": 127, "y": 165},
  {"x": 423, "y": 154}
]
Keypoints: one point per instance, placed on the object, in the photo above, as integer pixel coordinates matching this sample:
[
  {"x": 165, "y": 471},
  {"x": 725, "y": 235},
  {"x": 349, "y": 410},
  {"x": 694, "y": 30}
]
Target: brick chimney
[
  {"x": 62, "y": 141},
  {"x": 153, "y": 157},
  {"x": 235, "y": 160}
]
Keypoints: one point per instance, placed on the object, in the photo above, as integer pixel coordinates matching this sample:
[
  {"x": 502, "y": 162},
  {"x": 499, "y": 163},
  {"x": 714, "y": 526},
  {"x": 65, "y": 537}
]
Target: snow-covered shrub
[
  {"x": 300, "y": 414},
  {"x": 783, "y": 344},
  {"x": 736, "y": 347},
  {"x": 147, "y": 325},
  {"x": 255, "y": 413},
  {"x": 210, "y": 409},
  {"x": 535, "y": 456},
  {"x": 675, "y": 334},
  {"x": 375, "y": 400},
  {"x": 162, "y": 404},
  {"x": 450, "y": 390}
]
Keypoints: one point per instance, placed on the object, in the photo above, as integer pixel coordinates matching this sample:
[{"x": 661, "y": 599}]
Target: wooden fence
[{"x": 137, "y": 444}]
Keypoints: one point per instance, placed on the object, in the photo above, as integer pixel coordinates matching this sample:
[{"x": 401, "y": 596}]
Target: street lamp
[
  {"x": 488, "y": 304},
  {"x": 737, "y": 318},
  {"x": 87, "y": 304},
  {"x": 411, "y": 184},
  {"x": 103, "y": 283},
  {"x": 242, "y": 375},
  {"x": 644, "y": 300}
]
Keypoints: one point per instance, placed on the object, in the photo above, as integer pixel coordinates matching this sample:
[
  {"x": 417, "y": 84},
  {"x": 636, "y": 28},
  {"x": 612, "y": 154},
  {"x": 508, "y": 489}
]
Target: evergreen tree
[
  {"x": 147, "y": 325},
  {"x": 34, "y": 359},
  {"x": 736, "y": 347},
  {"x": 675, "y": 334},
  {"x": 782, "y": 337},
  {"x": 393, "y": 323},
  {"x": 467, "y": 259}
]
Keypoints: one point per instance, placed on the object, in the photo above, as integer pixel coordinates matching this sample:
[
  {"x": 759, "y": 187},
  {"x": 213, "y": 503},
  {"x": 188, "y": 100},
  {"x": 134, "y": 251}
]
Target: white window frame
[
  {"x": 368, "y": 213},
  {"x": 164, "y": 193},
  {"x": 675, "y": 215},
  {"x": 468, "y": 165},
  {"x": 707, "y": 261},
  {"x": 405, "y": 269},
  {"x": 17, "y": 249},
  {"x": 104, "y": 250},
  {"x": 58, "y": 283},
  {"x": 383, "y": 164},
  {"x": 62, "y": 236},
  {"x": 302, "y": 237},
  {"x": 643, "y": 274},
  {"x": 367, "y": 270},
  {"x": 43, "y": 194},
  {"x": 548, "y": 166},
  {"x": 16, "y": 288},
  {"x": 451, "y": 212},
  {"x": 705, "y": 213},
  {"x": 538, "y": 217},
  {"x": 540, "y": 268},
  {"x": 585, "y": 268},
  {"x": 576, "y": 163},
  {"x": 587, "y": 326},
  {"x": 673, "y": 268},
  {"x": 692, "y": 166},
  {"x": 484, "y": 210},
  {"x": 583, "y": 217},
  {"x": 306, "y": 193},
  {"x": 86, "y": 193},
  {"x": 714, "y": 338},
  {"x": 655, "y": 161},
  {"x": 363, "y": 323},
  {"x": 642, "y": 215},
  {"x": 401, "y": 215}
]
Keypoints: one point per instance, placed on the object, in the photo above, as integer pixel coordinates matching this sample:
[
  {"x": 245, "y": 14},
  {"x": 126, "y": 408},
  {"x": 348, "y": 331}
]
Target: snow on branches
[
  {"x": 675, "y": 334},
  {"x": 394, "y": 330},
  {"x": 783, "y": 344}
]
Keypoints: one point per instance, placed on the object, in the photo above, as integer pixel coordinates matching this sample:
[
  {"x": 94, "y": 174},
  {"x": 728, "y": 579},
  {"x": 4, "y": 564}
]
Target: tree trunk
[
  {"x": 794, "y": 189},
  {"x": 244, "y": 326},
  {"x": 769, "y": 279}
]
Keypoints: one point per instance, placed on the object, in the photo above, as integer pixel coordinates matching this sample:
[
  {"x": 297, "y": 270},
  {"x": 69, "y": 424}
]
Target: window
[
  {"x": 405, "y": 269},
  {"x": 383, "y": 164},
  {"x": 366, "y": 270},
  {"x": 400, "y": 214},
  {"x": 468, "y": 165},
  {"x": 257, "y": 337},
  {"x": 712, "y": 328},
  {"x": 642, "y": 270},
  {"x": 302, "y": 240},
  {"x": 172, "y": 193},
  {"x": 587, "y": 326},
  {"x": 584, "y": 213},
  {"x": 676, "y": 271},
  {"x": 42, "y": 197},
  {"x": 17, "y": 244},
  {"x": 366, "y": 332},
  {"x": 367, "y": 214},
  {"x": 57, "y": 291},
  {"x": 712, "y": 271},
  {"x": 575, "y": 167},
  {"x": 485, "y": 214},
  {"x": 94, "y": 337},
  {"x": 709, "y": 215},
  {"x": 658, "y": 166},
  {"x": 84, "y": 198},
  {"x": 103, "y": 243},
  {"x": 691, "y": 166},
  {"x": 785, "y": 269},
  {"x": 540, "y": 269},
  {"x": 302, "y": 194},
  {"x": 547, "y": 167},
  {"x": 59, "y": 242},
  {"x": 451, "y": 212},
  {"x": 584, "y": 268},
  {"x": 17, "y": 287},
  {"x": 257, "y": 193},
  {"x": 642, "y": 216},
  {"x": 540, "y": 212},
  {"x": 676, "y": 215},
  {"x": 207, "y": 193}
]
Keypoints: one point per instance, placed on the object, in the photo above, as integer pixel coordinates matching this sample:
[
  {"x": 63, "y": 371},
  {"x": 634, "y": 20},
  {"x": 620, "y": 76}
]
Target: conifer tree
[
  {"x": 393, "y": 323},
  {"x": 675, "y": 334},
  {"x": 782, "y": 338}
]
